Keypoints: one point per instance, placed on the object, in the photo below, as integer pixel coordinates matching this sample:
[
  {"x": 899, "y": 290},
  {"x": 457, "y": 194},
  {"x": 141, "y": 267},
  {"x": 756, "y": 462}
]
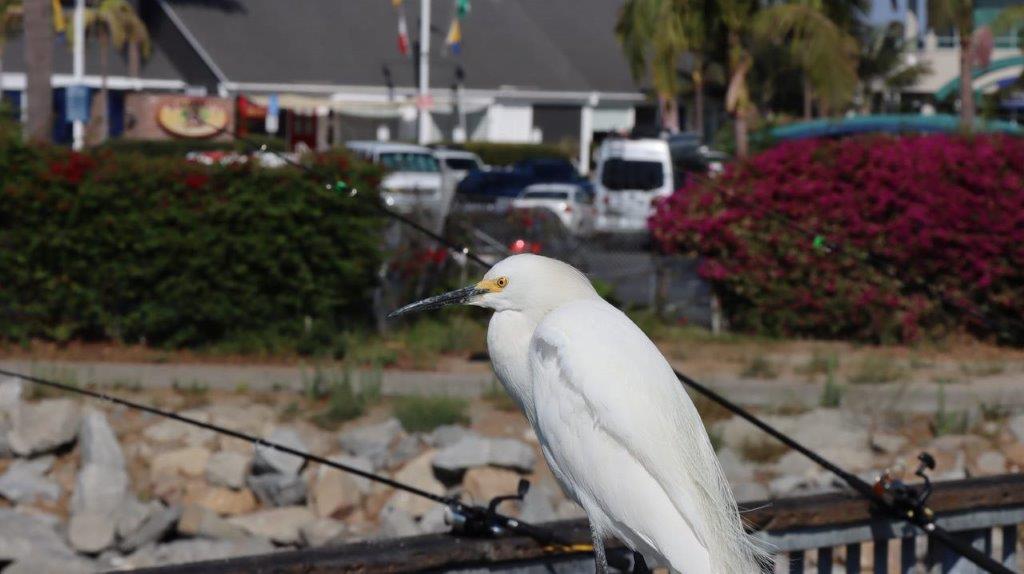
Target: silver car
[{"x": 573, "y": 204}]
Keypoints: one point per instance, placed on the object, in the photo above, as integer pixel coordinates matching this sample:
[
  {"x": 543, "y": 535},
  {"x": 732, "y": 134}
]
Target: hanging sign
[{"x": 193, "y": 117}]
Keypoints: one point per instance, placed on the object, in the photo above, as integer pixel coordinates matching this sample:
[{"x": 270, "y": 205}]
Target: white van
[
  {"x": 413, "y": 181},
  {"x": 630, "y": 175}
]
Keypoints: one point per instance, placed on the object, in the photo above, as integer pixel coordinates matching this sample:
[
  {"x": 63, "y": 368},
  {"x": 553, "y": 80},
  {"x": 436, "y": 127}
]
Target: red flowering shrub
[{"x": 928, "y": 230}]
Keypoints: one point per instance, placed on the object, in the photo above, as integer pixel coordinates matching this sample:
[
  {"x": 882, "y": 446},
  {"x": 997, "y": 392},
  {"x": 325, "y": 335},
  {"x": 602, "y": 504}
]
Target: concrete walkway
[{"x": 1004, "y": 391}]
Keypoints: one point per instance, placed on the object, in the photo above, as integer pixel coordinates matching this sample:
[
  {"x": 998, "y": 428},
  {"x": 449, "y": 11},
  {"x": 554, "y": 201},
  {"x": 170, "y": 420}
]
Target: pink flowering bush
[{"x": 928, "y": 234}]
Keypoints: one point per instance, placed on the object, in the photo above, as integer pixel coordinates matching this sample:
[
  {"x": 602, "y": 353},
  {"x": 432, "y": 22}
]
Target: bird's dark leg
[
  {"x": 600, "y": 559},
  {"x": 639, "y": 564}
]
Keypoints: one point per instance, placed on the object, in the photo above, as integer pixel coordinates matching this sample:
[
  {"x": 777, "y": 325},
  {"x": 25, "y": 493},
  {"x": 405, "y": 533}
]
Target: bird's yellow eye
[{"x": 501, "y": 282}]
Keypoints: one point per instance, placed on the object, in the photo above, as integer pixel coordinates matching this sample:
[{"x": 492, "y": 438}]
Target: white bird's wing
[{"x": 620, "y": 432}]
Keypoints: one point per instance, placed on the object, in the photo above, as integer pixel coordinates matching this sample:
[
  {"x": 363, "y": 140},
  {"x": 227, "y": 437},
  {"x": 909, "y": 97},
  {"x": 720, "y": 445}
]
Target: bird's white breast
[{"x": 508, "y": 340}]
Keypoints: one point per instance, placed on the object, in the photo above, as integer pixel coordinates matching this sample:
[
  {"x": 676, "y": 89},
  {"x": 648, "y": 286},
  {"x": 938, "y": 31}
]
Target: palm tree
[
  {"x": 826, "y": 55},
  {"x": 117, "y": 25},
  {"x": 38, "y": 22},
  {"x": 959, "y": 14},
  {"x": 885, "y": 66},
  {"x": 653, "y": 35},
  {"x": 10, "y": 18},
  {"x": 1010, "y": 18},
  {"x": 736, "y": 16}
]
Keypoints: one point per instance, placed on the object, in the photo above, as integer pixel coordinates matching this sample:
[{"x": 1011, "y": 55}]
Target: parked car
[
  {"x": 413, "y": 180},
  {"x": 459, "y": 163},
  {"x": 571, "y": 202},
  {"x": 499, "y": 186},
  {"x": 632, "y": 174}
]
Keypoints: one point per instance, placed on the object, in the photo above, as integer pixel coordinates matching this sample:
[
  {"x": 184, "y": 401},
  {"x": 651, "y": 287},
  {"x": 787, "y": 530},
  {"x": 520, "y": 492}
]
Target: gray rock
[
  {"x": 131, "y": 514},
  {"x": 794, "y": 464},
  {"x": 364, "y": 485},
  {"x": 989, "y": 463},
  {"x": 735, "y": 469},
  {"x": 446, "y": 435},
  {"x": 278, "y": 489},
  {"x": 472, "y": 451},
  {"x": 512, "y": 453},
  {"x": 435, "y": 521},
  {"x": 50, "y": 565},
  {"x": 268, "y": 459},
  {"x": 371, "y": 442},
  {"x": 172, "y": 431},
  {"x": 11, "y": 390},
  {"x": 24, "y": 481},
  {"x": 850, "y": 458},
  {"x": 43, "y": 427},
  {"x": 785, "y": 485},
  {"x": 91, "y": 532},
  {"x": 154, "y": 529},
  {"x": 227, "y": 468},
  {"x": 23, "y": 536},
  {"x": 816, "y": 429},
  {"x": 537, "y": 505},
  {"x": 200, "y": 521},
  {"x": 281, "y": 525},
  {"x": 321, "y": 532},
  {"x": 888, "y": 443},
  {"x": 1016, "y": 426},
  {"x": 748, "y": 491},
  {"x": 404, "y": 450},
  {"x": 568, "y": 509},
  {"x": 99, "y": 489},
  {"x": 197, "y": 550},
  {"x": 396, "y": 523},
  {"x": 98, "y": 442}
]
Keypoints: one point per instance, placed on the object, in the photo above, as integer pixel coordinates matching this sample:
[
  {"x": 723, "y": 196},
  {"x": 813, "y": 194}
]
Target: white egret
[{"x": 615, "y": 425}]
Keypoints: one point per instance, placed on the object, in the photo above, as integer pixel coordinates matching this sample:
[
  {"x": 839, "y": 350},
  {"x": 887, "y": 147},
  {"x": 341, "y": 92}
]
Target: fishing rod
[{"x": 910, "y": 507}]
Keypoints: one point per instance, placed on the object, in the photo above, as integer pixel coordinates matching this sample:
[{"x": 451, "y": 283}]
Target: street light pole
[
  {"x": 424, "y": 74},
  {"x": 78, "y": 127}
]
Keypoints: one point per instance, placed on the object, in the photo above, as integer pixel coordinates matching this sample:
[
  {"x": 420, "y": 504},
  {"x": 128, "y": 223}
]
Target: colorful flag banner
[
  {"x": 60, "y": 23},
  {"x": 403, "y": 34},
  {"x": 454, "y": 39}
]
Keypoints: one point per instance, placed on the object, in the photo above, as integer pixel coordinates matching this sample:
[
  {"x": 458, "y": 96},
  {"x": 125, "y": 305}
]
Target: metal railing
[{"x": 816, "y": 529}]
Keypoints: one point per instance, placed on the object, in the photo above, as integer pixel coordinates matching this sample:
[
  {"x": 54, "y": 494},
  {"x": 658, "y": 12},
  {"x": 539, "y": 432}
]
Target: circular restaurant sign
[{"x": 193, "y": 118}]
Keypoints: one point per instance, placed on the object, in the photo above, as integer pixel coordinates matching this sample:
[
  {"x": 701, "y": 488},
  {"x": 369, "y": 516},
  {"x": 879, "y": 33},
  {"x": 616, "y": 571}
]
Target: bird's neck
[{"x": 508, "y": 343}]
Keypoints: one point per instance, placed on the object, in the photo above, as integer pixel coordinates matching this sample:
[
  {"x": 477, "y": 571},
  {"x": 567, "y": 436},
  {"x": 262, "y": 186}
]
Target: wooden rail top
[{"x": 442, "y": 551}]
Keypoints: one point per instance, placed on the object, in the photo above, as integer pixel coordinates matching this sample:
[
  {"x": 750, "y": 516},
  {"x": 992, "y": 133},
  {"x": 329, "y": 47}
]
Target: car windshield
[
  {"x": 624, "y": 174},
  {"x": 409, "y": 161},
  {"x": 461, "y": 163},
  {"x": 545, "y": 194}
]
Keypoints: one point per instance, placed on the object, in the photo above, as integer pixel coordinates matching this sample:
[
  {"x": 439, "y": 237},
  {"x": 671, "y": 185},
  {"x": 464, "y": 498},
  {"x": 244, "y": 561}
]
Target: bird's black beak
[{"x": 459, "y": 296}]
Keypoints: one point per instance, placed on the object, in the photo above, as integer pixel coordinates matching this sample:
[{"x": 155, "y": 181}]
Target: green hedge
[
  {"x": 179, "y": 148},
  {"x": 162, "y": 251},
  {"x": 509, "y": 153}
]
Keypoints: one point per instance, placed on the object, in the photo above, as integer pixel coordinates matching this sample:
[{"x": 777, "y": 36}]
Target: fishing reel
[
  {"x": 479, "y": 521},
  {"x": 908, "y": 499}
]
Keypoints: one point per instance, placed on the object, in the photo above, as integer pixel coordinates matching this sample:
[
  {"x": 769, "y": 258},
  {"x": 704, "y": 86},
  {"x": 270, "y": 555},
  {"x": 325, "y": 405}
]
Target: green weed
[
  {"x": 422, "y": 414},
  {"x": 877, "y": 369}
]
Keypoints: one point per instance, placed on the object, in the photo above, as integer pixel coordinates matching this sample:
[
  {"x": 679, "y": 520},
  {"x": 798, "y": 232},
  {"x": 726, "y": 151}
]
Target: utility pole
[
  {"x": 424, "y": 74},
  {"x": 78, "y": 126}
]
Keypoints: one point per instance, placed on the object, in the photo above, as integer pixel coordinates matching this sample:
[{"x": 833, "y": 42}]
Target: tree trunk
[
  {"x": 669, "y": 113},
  {"x": 698, "y": 103},
  {"x": 808, "y": 99},
  {"x": 966, "y": 89},
  {"x": 133, "y": 60},
  {"x": 38, "y": 23},
  {"x": 101, "y": 123},
  {"x": 742, "y": 143}
]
